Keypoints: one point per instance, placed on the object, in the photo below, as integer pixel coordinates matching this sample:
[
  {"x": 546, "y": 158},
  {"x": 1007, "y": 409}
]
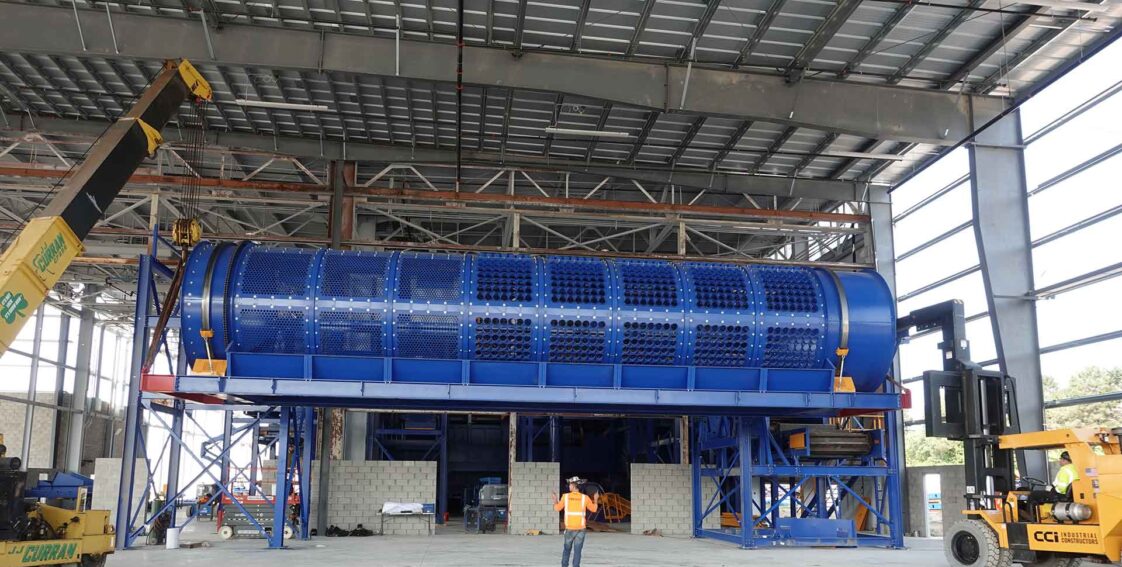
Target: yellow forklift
[
  {"x": 1011, "y": 517},
  {"x": 33, "y": 533}
]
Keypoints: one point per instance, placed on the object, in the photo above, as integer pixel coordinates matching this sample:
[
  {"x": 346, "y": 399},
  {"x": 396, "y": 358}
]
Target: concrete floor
[{"x": 458, "y": 549}]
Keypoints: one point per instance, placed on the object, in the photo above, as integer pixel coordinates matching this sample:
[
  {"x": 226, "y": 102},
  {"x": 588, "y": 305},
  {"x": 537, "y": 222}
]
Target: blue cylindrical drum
[{"x": 514, "y": 307}]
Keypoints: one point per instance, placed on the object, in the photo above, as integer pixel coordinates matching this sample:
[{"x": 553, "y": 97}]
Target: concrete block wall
[
  {"x": 358, "y": 489},
  {"x": 107, "y": 483},
  {"x": 661, "y": 498},
  {"x": 952, "y": 479},
  {"x": 42, "y": 430},
  {"x": 530, "y": 487}
]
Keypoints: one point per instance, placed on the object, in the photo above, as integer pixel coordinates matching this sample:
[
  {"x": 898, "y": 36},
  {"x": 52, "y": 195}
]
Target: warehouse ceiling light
[
  {"x": 592, "y": 133},
  {"x": 283, "y": 105}
]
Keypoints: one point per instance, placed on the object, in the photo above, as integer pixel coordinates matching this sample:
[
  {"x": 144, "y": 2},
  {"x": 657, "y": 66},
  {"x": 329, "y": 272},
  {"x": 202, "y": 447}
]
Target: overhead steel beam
[
  {"x": 933, "y": 42},
  {"x": 867, "y": 49},
  {"x": 711, "y": 7},
  {"x": 640, "y": 26},
  {"x": 714, "y": 182},
  {"x": 834, "y": 21},
  {"x": 687, "y": 139},
  {"x": 1009, "y": 32},
  {"x": 999, "y": 197},
  {"x": 994, "y": 80},
  {"x": 761, "y": 29},
  {"x": 868, "y": 110}
]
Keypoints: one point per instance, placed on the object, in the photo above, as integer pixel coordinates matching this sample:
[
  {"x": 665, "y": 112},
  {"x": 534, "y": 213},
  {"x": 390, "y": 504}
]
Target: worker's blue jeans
[{"x": 574, "y": 541}]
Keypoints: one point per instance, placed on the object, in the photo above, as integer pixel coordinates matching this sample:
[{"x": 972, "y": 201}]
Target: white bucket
[{"x": 173, "y": 538}]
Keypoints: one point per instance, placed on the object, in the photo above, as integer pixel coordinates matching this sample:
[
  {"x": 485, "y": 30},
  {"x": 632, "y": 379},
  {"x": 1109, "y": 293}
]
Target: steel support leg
[
  {"x": 442, "y": 472},
  {"x": 175, "y": 449},
  {"x": 280, "y": 501},
  {"x": 307, "y": 445},
  {"x": 744, "y": 450},
  {"x": 133, "y": 411},
  {"x": 1001, "y": 228},
  {"x": 695, "y": 473},
  {"x": 254, "y": 457}
]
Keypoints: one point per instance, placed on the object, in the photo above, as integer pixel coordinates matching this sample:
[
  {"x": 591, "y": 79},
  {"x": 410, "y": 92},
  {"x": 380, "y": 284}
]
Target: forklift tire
[
  {"x": 1052, "y": 560},
  {"x": 971, "y": 543},
  {"x": 93, "y": 560},
  {"x": 227, "y": 532},
  {"x": 289, "y": 533}
]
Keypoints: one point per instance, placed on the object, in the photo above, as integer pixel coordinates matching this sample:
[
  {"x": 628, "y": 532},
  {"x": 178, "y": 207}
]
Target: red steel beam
[{"x": 462, "y": 197}]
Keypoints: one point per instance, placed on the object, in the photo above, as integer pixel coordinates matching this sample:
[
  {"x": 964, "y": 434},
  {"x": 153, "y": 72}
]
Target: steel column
[
  {"x": 79, "y": 400},
  {"x": 883, "y": 256},
  {"x": 280, "y": 499},
  {"x": 133, "y": 411},
  {"x": 176, "y": 448},
  {"x": 307, "y": 446},
  {"x": 999, "y": 195},
  {"x": 442, "y": 472}
]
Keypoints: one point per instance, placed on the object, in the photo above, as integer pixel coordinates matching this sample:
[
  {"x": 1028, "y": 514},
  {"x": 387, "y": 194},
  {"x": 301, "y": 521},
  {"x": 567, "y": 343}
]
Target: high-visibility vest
[
  {"x": 1066, "y": 475},
  {"x": 575, "y": 504}
]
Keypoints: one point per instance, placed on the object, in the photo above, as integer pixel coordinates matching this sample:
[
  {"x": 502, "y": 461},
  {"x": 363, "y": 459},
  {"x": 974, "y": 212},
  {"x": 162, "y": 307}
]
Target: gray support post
[
  {"x": 79, "y": 399},
  {"x": 442, "y": 472},
  {"x": 327, "y": 421},
  {"x": 999, "y": 196},
  {"x": 254, "y": 457},
  {"x": 58, "y": 452},
  {"x": 227, "y": 435},
  {"x": 32, "y": 386},
  {"x": 883, "y": 256},
  {"x": 354, "y": 436},
  {"x": 280, "y": 499},
  {"x": 179, "y": 407}
]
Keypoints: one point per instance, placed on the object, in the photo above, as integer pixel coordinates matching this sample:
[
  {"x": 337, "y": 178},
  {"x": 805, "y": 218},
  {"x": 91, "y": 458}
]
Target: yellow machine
[
  {"x": 32, "y": 533},
  {"x": 50, "y": 241},
  {"x": 1038, "y": 526},
  {"x": 1010, "y": 516}
]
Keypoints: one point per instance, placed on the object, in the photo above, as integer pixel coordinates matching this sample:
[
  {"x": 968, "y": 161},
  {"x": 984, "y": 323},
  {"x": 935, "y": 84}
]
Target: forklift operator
[{"x": 1066, "y": 475}]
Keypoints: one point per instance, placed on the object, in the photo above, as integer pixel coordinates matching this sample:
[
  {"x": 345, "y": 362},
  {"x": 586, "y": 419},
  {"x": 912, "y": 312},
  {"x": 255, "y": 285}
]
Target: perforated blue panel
[
  {"x": 271, "y": 307},
  {"x": 504, "y": 278},
  {"x": 351, "y": 304},
  {"x": 789, "y": 289},
  {"x": 718, "y": 286},
  {"x": 577, "y": 281},
  {"x": 351, "y": 333},
  {"x": 428, "y": 305},
  {"x": 792, "y": 347},
  {"x": 430, "y": 278},
  {"x": 721, "y": 345},
  {"x": 577, "y": 341},
  {"x": 648, "y": 283},
  {"x": 794, "y": 317},
  {"x": 649, "y": 343},
  {"x": 501, "y": 338},
  {"x": 427, "y": 336}
]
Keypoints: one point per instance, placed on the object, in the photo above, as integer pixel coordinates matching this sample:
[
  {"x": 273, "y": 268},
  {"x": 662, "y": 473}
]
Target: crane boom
[{"x": 50, "y": 241}]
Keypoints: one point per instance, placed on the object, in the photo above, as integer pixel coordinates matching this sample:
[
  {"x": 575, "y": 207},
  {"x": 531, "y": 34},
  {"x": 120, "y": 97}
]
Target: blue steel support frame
[
  {"x": 736, "y": 454},
  {"x": 171, "y": 415},
  {"x": 739, "y": 466}
]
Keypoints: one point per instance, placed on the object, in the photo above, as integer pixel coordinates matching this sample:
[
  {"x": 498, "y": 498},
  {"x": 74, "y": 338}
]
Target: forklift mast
[
  {"x": 963, "y": 402},
  {"x": 50, "y": 241}
]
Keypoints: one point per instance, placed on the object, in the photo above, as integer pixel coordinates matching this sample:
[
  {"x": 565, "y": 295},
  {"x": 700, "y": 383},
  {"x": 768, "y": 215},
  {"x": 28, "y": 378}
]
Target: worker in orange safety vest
[{"x": 575, "y": 504}]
